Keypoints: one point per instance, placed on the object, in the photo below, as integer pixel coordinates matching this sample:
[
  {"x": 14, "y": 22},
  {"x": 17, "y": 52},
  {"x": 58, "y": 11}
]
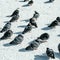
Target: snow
[{"x": 48, "y": 13}]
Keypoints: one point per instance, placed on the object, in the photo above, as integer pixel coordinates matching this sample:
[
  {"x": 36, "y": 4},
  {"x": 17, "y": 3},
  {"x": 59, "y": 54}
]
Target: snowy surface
[{"x": 48, "y": 13}]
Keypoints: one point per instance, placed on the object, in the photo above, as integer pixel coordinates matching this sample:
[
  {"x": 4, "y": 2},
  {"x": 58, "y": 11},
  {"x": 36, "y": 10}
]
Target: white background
[{"x": 48, "y": 13}]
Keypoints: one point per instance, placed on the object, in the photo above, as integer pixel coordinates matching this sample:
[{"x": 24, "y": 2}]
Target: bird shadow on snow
[
  {"x": 42, "y": 57},
  {"x": 25, "y": 5},
  {"x": 4, "y": 39},
  {"x": 47, "y": 2},
  {"x": 46, "y": 28},
  {"x": 58, "y": 35},
  {"x": 6, "y": 21},
  {"x": 26, "y": 20},
  {"x": 23, "y": 26},
  {"x": 7, "y": 45},
  {"x": 57, "y": 55},
  {"x": 21, "y": 1},
  {"x": 18, "y": 33},
  {"x": 23, "y": 50},
  {"x": 47, "y": 24}
]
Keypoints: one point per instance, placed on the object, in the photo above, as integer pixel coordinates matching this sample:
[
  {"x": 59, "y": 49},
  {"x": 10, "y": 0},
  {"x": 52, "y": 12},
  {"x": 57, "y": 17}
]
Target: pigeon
[
  {"x": 17, "y": 40},
  {"x": 6, "y": 27},
  {"x": 53, "y": 24},
  {"x": 50, "y": 53},
  {"x": 7, "y": 34},
  {"x": 35, "y": 44},
  {"x": 44, "y": 36},
  {"x": 28, "y": 28},
  {"x": 33, "y": 23},
  {"x": 14, "y": 18}
]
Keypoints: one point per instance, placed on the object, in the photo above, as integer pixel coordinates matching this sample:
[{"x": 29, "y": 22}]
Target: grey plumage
[
  {"x": 17, "y": 40},
  {"x": 27, "y": 28},
  {"x": 6, "y": 27},
  {"x": 7, "y": 34},
  {"x": 50, "y": 53},
  {"x": 14, "y": 18},
  {"x": 35, "y": 44},
  {"x": 33, "y": 23}
]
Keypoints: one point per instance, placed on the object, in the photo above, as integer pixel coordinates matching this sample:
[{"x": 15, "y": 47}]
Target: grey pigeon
[
  {"x": 17, "y": 40},
  {"x": 14, "y": 18},
  {"x": 7, "y": 34},
  {"x": 28, "y": 28},
  {"x": 35, "y": 44},
  {"x": 6, "y": 27}
]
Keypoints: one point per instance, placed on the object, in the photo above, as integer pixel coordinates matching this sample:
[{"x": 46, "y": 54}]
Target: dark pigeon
[
  {"x": 7, "y": 34},
  {"x": 28, "y": 28},
  {"x": 6, "y": 27},
  {"x": 44, "y": 36},
  {"x": 53, "y": 24},
  {"x": 50, "y": 53}
]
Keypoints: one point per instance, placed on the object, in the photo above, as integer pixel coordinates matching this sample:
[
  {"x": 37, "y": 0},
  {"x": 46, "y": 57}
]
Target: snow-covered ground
[{"x": 48, "y": 13}]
